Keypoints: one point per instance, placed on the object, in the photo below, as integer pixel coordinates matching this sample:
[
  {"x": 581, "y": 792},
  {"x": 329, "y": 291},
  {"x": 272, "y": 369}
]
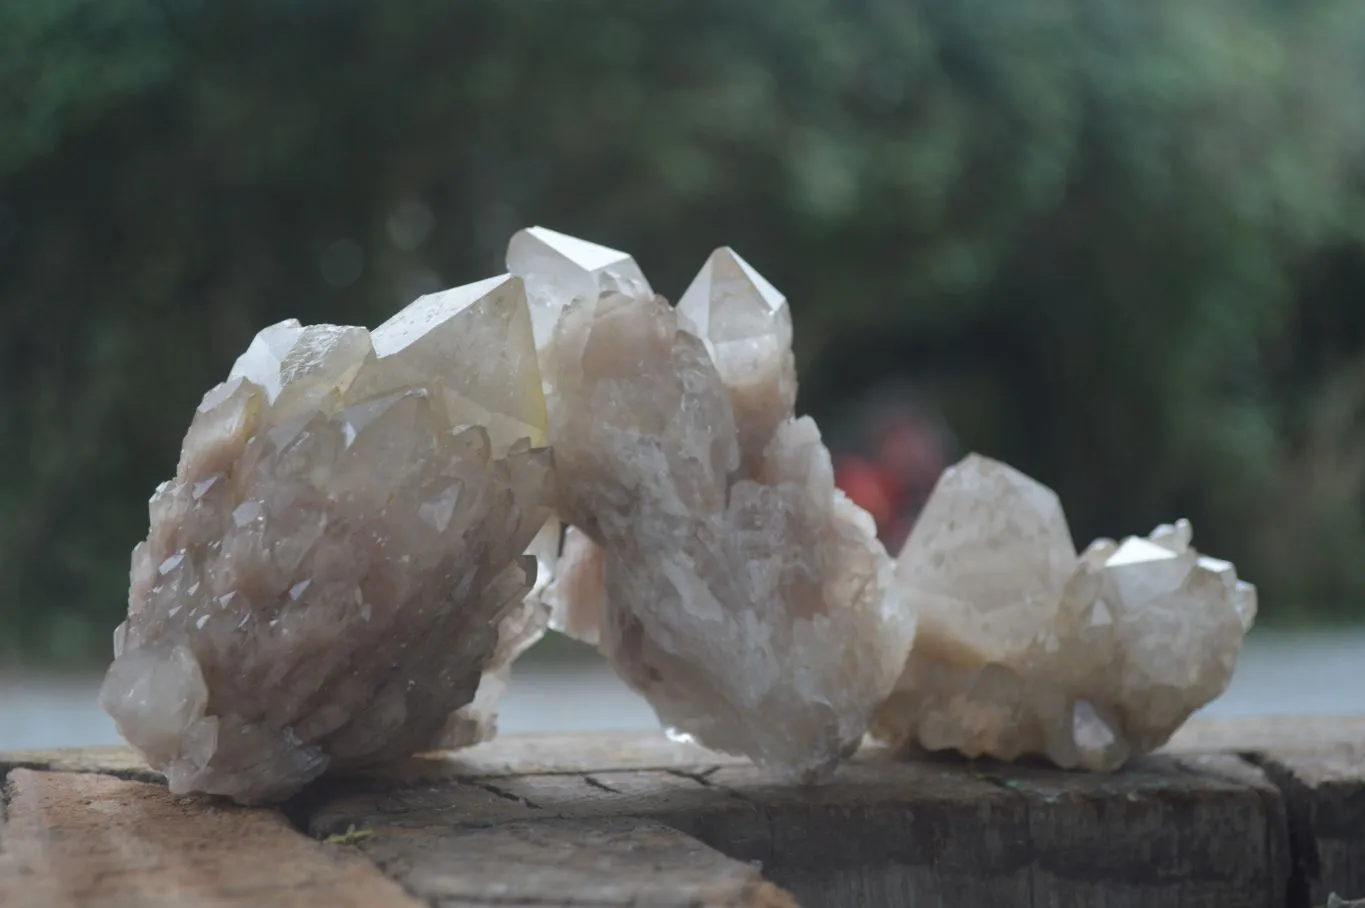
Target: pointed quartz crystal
[
  {"x": 710, "y": 556},
  {"x": 558, "y": 269},
  {"x": 337, "y": 566},
  {"x": 1026, "y": 648},
  {"x": 747, "y": 327}
]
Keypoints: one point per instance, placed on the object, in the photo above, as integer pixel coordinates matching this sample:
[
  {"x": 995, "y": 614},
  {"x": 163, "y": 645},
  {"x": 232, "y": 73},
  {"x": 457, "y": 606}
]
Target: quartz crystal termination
[
  {"x": 1024, "y": 648},
  {"x": 747, "y": 328},
  {"x": 710, "y": 556},
  {"x": 558, "y": 269},
  {"x": 337, "y": 564}
]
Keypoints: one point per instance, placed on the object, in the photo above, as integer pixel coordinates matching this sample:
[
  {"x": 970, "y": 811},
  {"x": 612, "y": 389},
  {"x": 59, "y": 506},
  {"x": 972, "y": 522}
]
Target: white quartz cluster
[
  {"x": 1025, "y": 648},
  {"x": 710, "y": 556},
  {"x": 338, "y": 560},
  {"x": 366, "y": 528}
]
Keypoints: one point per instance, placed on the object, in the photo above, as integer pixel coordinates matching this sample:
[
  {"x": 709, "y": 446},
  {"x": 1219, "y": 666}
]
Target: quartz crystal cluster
[
  {"x": 366, "y": 528},
  {"x": 710, "y": 556},
  {"x": 338, "y": 563},
  {"x": 1025, "y": 648}
]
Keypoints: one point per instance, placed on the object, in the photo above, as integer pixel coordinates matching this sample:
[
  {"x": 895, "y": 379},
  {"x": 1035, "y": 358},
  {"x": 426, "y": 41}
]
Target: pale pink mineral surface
[
  {"x": 1026, "y": 648},
  {"x": 338, "y": 562},
  {"x": 711, "y": 557}
]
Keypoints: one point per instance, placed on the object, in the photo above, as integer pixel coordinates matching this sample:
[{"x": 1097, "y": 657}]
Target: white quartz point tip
[
  {"x": 591, "y": 257},
  {"x": 560, "y": 268},
  {"x": 746, "y": 326},
  {"x": 729, "y": 300}
]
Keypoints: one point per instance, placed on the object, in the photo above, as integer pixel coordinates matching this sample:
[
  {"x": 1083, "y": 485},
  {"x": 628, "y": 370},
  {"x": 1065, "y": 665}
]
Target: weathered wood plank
[
  {"x": 562, "y": 753},
  {"x": 98, "y": 842},
  {"x": 889, "y": 834},
  {"x": 1207, "y": 822},
  {"x": 120, "y": 762},
  {"x": 505, "y": 756},
  {"x": 1194, "y": 831},
  {"x": 828, "y": 843},
  {"x": 1324, "y": 789},
  {"x": 1166, "y": 831},
  {"x": 1257, "y": 734},
  {"x": 1158, "y": 835},
  {"x": 617, "y": 862}
]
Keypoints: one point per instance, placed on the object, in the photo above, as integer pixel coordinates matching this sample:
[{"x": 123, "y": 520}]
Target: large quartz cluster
[
  {"x": 710, "y": 556},
  {"x": 366, "y": 528},
  {"x": 338, "y": 562},
  {"x": 1024, "y": 648}
]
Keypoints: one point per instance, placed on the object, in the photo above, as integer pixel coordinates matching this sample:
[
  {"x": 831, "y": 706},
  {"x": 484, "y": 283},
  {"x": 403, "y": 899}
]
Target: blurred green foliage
[{"x": 1120, "y": 242}]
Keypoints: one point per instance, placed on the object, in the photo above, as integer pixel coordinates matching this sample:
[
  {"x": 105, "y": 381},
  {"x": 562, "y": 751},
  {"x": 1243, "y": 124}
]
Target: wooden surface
[{"x": 1233, "y": 813}]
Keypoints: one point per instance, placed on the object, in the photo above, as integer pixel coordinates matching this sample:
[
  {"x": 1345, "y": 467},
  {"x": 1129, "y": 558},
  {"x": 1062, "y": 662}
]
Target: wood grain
[
  {"x": 94, "y": 840},
  {"x": 1324, "y": 790},
  {"x": 586, "y": 863},
  {"x": 1204, "y": 830},
  {"x": 1244, "y": 812}
]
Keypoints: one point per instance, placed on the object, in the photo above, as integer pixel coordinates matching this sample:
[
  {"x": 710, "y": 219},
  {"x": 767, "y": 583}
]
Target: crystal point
[
  {"x": 747, "y": 327},
  {"x": 558, "y": 269}
]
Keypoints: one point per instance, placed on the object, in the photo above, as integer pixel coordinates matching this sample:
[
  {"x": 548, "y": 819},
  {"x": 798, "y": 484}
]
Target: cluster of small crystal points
[
  {"x": 1024, "y": 648},
  {"x": 366, "y": 528},
  {"x": 338, "y": 562},
  {"x": 710, "y": 556}
]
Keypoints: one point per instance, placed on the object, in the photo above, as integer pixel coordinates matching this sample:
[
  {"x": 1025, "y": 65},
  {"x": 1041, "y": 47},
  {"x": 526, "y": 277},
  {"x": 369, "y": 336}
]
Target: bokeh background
[{"x": 1120, "y": 245}]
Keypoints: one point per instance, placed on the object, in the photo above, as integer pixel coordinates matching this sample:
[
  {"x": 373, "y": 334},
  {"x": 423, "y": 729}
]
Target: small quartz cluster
[
  {"x": 710, "y": 556},
  {"x": 337, "y": 566},
  {"x": 1025, "y": 648}
]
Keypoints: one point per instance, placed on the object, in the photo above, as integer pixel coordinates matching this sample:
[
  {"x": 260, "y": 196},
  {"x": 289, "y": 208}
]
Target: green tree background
[{"x": 1122, "y": 245}]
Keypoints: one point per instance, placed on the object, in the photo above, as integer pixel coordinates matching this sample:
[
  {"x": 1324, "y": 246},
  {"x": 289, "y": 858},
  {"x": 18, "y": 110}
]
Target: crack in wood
[
  {"x": 505, "y": 795},
  {"x": 704, "y": 780},
  {"x": 600, "y": 785},
  {"x": 1304, "y": 864}
]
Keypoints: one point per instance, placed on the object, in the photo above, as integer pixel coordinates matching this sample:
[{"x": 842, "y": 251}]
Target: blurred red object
[
  {"x": 868, "y": 487},
  {"x": 912, "y": 452},
  {"x": 909, "y": 450}
]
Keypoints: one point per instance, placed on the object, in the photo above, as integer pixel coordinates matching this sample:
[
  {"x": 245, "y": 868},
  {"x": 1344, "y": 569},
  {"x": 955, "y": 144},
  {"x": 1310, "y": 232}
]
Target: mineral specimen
[
  {"x": 710, "y": 557},
  {"x": 747, "y": 328},
  {"x": 338, "y": 562},
  {"x": 1024, "y": 648},
  {"x": 559, "y": 269}
]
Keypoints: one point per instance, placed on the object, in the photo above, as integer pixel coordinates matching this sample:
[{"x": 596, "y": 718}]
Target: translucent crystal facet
[
  {"x": 747, "y": 327},
  {"x": 710, "y": 556},
  {"x": 1024, "y": 647},
  {"x": 559, "y": 269},
  {"x": 337, "y": 565}
]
